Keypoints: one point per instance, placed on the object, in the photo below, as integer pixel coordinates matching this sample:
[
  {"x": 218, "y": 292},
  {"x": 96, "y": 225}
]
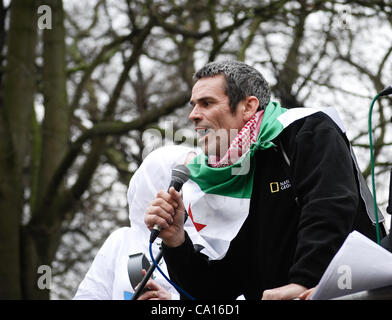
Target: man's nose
[{"x": 195, "y": 115}]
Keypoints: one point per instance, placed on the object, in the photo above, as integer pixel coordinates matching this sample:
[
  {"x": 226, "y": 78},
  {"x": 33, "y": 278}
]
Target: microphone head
[
  {"x": 386, "y": 91},
  {"x": 180, "y": 173}
]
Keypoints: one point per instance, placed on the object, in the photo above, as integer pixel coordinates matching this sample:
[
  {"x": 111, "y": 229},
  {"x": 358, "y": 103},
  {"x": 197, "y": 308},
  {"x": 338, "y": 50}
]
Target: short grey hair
[{"x": 242, "y": 81}]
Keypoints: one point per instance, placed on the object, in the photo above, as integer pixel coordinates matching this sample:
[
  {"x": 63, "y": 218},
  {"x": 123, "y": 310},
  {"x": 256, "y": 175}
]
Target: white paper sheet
[{"x": 360, "y": 264}]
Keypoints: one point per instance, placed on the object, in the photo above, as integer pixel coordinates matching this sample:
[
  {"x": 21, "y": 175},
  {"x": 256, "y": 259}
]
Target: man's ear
[{"x": 249, "y": 107}]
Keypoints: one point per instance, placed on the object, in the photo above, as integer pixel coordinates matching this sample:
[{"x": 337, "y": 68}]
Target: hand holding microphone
[{"x": 165, "y": 215}]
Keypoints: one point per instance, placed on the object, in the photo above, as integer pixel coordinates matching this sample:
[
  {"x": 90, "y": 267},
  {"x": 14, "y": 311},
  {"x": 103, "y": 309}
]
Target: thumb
[
  {"x": 179, "y": 207},
  {"x": 176, "y": 196}
]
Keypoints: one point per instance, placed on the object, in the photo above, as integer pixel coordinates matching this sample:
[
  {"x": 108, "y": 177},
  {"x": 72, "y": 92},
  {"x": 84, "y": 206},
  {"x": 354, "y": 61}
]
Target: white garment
[{"x": 107, "y": 278}]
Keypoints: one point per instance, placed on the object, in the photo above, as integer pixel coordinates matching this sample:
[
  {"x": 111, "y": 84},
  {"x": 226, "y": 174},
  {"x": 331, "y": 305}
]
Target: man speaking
[{"x": 272, "y": 198}]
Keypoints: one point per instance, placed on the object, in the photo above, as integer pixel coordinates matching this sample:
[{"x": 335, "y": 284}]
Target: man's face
[{"x": 212, "y": 117}]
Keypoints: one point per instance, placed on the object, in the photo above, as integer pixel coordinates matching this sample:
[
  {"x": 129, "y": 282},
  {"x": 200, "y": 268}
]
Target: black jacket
[{"x": 300, "y": 214}]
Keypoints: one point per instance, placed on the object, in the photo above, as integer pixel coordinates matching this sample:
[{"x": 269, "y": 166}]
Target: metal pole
[{"x": 147, "y": 276}]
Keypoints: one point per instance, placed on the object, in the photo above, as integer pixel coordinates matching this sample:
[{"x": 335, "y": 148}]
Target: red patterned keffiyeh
[{"x": 240, "y": 144}]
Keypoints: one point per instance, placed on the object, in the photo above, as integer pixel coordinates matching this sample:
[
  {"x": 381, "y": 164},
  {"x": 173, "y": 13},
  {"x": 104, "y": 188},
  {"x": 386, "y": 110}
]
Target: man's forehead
[{"x": 208, "y": 87}]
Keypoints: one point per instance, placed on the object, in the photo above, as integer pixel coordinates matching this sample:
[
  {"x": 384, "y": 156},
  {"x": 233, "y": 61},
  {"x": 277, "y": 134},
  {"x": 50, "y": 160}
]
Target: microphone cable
[
  {"x": 384, "y": 92},
  {"x": 179, "y": 289}
]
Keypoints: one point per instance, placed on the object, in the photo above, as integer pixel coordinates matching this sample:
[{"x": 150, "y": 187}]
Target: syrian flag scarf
[
  {"x": 240, "y": 144},
  {"x": 217, "y": 199}
]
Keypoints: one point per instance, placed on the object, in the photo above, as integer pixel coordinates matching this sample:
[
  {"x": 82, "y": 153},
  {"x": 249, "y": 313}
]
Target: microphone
[
  {"x": 180, "y": 175},
  {"x": 386, "y": 91},
  {"x": 389, "y": 208}
]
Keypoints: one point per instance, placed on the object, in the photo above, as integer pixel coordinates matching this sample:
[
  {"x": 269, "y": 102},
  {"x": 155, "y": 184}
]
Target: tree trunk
[
  {"x": 38, "y": 237},
  {"x": 15, "y": 123},
  {"x": 288, "y": 75}
]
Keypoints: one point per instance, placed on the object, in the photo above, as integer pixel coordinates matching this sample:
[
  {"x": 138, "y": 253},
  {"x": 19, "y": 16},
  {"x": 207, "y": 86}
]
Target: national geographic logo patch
[{"x": 278, "y": 186}]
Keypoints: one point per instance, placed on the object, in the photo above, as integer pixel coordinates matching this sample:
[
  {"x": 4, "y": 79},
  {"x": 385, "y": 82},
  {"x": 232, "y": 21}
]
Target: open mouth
[{"x": 202, "y": 132}]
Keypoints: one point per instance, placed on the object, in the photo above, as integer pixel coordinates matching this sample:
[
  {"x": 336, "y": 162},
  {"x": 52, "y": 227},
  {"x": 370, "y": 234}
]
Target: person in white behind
[{"x": 107, "y": 278}]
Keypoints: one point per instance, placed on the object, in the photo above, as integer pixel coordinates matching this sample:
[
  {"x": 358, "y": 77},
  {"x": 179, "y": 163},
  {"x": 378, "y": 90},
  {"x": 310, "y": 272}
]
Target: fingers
[
  {"x": 168, "y": 198},
  {"x": 153, "y": 286},
  {"x": 163, "y": 209},
  {"x": 287, "y": 292},
  {"x": 155, "y": 295},
  {"x": 165, "y": 201},
  {"x": 157, "y": 215},
  {"x": 150, "y": 288},
  {"x": 149, "y": 295},
  {"x": 160, "y": 211},
  {"x": 272, "y": 294},
  {"x": 167, "y": 211},
  {"x": 155, "y": 292},
  {"x": 307, "y": 294},
  {"x": 176, "y": 196}
]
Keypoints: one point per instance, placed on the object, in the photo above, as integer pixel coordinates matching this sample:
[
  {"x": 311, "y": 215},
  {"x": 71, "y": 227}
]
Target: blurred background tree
[{"x": 82, "y": 103}]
